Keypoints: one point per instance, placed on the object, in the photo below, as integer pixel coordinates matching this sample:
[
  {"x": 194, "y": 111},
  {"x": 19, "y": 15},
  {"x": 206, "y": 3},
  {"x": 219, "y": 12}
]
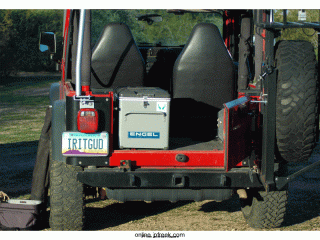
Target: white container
[{"x": 144, "y": 118}]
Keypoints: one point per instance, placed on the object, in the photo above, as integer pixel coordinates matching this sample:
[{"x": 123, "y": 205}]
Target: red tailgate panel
[
  {"x": 164, "y": 158},
  {"x": 237, "y": 131}
]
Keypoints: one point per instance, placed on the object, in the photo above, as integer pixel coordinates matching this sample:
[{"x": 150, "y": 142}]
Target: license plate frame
[{"x": 84, "y": 144}]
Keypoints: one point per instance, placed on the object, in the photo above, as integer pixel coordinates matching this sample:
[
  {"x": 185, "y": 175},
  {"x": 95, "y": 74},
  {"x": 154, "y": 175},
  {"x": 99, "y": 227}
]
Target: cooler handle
[{"x": 152, "y": 113}]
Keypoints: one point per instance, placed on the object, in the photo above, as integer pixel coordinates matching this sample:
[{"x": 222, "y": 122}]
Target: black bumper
[{"x": 115, "y": 178}]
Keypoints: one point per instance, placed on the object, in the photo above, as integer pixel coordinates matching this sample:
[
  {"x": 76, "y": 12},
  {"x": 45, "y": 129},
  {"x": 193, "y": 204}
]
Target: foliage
[
  {"x": 173, "y": 30},
  {"x": 19, "y": 34},
  {"x": 299, "y": 33}
]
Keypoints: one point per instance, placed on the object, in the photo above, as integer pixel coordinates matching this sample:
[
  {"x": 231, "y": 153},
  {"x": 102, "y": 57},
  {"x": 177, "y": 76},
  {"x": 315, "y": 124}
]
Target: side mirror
[{"x": 47, "y": 42}]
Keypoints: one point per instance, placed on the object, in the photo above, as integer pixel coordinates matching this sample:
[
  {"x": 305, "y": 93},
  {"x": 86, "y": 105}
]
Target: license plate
[{"x": 83, "y": 144}]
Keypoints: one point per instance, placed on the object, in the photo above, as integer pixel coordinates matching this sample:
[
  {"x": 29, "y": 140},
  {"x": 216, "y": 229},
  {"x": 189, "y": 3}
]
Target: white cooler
[{"x": 144, "y": 118}]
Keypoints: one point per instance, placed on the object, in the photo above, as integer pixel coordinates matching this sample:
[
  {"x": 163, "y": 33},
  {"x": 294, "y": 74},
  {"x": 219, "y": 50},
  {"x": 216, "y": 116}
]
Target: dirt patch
[
  {"x": 42, "y": 91},
  {"x": 36, "y": 74},
  {"x": 17, "y": 162},
  {"x": 166, "y": 216}
]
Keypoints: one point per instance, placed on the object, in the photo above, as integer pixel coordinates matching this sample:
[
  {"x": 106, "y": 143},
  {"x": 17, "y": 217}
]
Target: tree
[
  {"x": 19, "y": 32},
  {"x": 6, "y": 48}
]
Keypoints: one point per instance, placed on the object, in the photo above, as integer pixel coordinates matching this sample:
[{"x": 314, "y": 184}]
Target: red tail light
[{"x": 87, "y": 120}]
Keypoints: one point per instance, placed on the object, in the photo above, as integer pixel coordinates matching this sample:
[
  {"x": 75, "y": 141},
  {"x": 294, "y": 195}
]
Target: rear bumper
[{"x": 151, "y": 178}]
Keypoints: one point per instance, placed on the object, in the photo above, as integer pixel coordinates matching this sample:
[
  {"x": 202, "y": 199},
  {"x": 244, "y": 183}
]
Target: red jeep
[{"x": 206, "y": 107}]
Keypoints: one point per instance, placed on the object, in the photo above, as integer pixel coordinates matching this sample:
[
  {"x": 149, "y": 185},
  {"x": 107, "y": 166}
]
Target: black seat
[
  {"x": 116, "y": 60},
  {"x": 160, "y": 73},
  {"x": 203, "y": 79}
]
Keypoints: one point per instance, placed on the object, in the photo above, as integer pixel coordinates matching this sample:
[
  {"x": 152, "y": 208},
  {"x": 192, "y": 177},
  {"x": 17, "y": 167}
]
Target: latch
[
  {"x": 268, "y": 71},
  {"x": 263, "y": 98},
  {"x": 145, "y": 102},
  {"x": 85, "y": 101}
]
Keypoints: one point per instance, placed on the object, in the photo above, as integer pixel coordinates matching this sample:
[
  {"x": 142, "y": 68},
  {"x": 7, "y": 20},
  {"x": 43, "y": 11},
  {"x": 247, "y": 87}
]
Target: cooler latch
[{"x": 145, "y": 102}]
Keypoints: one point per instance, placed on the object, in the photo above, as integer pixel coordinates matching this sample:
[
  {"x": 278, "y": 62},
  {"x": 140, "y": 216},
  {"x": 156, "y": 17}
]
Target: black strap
[{"x": 116, "y": 69}]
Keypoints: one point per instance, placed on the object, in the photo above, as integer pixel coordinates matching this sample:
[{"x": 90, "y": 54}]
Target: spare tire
[{"x": 297, "y": 100}]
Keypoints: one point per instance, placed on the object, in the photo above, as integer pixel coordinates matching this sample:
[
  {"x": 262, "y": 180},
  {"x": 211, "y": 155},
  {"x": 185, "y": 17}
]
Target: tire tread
[
  {"x": 297, "y": 97},
  {"x": 66, "y": 197},
  {"x": 266, "y": 211}
]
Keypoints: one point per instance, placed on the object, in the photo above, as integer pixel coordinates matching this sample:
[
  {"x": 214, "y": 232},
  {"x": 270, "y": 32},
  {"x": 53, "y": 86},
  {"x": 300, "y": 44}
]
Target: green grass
[
  {"x": 22, "y": 110},
  {"x": 34, "y": 101},
  {"x": 22, "y": 126}
]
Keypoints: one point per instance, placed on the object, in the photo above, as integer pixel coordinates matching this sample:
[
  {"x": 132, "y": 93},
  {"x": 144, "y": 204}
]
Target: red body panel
[
  {"x": 228, "y": 30},
  {"x": 65, "y": 39},
  {"x": 163, "y": 158},
  {"x": 238, "y": 134}
]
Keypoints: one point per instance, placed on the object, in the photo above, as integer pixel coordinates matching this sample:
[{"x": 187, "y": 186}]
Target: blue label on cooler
[{"x": 134, "y": 134}]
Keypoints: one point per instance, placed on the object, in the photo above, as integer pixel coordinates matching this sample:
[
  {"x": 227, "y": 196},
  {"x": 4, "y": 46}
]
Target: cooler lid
[{"x": 142, "y": 92}]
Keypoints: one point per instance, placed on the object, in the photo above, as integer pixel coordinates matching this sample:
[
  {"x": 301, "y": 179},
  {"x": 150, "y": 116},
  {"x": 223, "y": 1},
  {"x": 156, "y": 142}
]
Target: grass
[
  {"x": 22, "y": 112},
  {"x": 22, "y": 129},
  {"x": 22, "y": 109}
]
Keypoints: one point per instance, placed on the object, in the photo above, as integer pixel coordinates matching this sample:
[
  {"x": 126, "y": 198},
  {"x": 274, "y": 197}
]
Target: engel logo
[{"x": 133, "y": 134}]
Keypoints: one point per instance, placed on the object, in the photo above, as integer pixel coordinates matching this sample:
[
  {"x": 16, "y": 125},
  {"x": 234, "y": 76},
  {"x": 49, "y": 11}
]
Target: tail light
[{"x": 87, "y": 120}]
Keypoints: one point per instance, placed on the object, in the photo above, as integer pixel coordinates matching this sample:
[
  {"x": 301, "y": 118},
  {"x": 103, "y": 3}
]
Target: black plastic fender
[
  {"x": 58, "y": 127},
  {"x": 54, "y": 93}
]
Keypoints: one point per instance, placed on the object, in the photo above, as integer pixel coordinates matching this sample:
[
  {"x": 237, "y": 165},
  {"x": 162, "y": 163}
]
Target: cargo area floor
[{"x": 190, "y": 144}]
